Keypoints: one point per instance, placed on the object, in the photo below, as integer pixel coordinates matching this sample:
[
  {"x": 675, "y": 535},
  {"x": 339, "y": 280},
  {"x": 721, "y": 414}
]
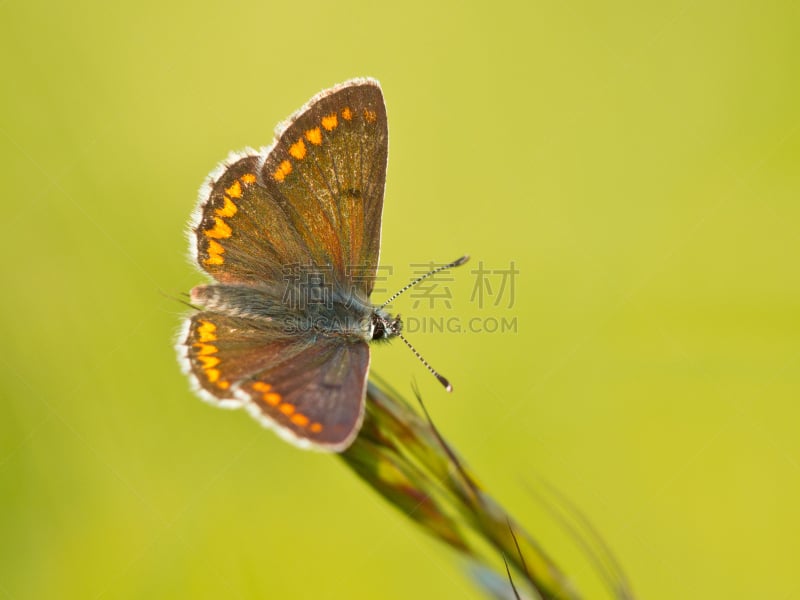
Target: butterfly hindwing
[
  {"x": 311, "y": 389},
  {"x": 219, "y": 350},
  {"x": 317, "y": 398}
]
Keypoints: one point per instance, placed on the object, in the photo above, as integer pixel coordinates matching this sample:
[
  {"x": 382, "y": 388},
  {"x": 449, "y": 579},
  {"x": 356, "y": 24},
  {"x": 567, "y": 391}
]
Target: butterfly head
[{"x": 384, "y": 325}]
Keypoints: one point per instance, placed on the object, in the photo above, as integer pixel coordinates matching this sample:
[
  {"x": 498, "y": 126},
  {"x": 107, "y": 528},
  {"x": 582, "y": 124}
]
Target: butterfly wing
[
  {"x": 309, "y": 388},
  {"x": 314, "y": 198}
]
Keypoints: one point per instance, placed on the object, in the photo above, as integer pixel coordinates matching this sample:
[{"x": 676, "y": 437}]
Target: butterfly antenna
[
  {"x": 433, "y": 371},
  {"x": 456, "y": 263},
  {"x": 178, "y": 298}
]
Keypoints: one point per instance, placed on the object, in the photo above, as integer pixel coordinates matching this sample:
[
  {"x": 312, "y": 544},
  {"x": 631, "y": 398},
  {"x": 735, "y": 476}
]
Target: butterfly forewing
[
  {"x": 329, "y": 169},
  {"x": 315, "y": 198},
  {"x": 244, "y": 234}
]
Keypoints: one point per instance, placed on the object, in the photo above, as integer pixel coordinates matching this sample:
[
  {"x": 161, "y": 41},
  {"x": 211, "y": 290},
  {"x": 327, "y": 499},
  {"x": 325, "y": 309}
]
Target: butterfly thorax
[
  {"x": 354, "y": 319},
  {"x": 349, "y": 316}
]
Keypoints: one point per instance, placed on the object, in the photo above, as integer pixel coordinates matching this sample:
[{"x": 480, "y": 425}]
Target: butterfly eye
[{"x": 395, "y": 326}]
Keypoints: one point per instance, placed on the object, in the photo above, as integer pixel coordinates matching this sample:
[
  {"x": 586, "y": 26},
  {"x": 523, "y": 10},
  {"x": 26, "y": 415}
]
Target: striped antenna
[
  {"x": 456, "y": 263},
  {"x": 433, "y": 371}
]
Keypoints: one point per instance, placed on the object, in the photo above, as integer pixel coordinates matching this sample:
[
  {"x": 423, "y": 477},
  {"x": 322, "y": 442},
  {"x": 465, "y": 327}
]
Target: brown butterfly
[{"x": 291, "y": 236}]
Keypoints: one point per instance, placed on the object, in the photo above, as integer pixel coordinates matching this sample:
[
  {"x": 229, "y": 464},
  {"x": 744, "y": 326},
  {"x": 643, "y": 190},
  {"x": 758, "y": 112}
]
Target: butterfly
[{"x": 290, "y": 235}]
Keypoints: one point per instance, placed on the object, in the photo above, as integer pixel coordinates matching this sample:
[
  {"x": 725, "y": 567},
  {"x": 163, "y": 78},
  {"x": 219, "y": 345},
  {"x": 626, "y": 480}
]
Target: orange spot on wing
[
  {"x": 370, "y": 115},
  {"x": 248, "y": 178},
  {"x": 220, "y": 229},
  {"x": 316, "y": 427},
  {"x": 206, "y": 326},
  {"x": 208, "y": 361},
  {"x": 298, "y": 150},
  {"x": 314, "y": 136},
  {"x": 272, "y": 398},
  {"x": 205, "y": 349},
  {"x": 212, "y": 374},
  {"x": 300, "y": 420},
  {"x": 235, "y": 191},
  {"x": 228, "y": 208},
  {"x": 282, "y": 171},
  {"x": 260, "y": 386},
  {"x": 206, "y": 331},
  {"x": 330, "y": 122},
  {"x": 215, "y": 251},
  {"x": 215, "y": 247},
  {"x": 347, "y": 114},
  {"x": 286, "y": 408},
  {"x": 223, "y": 384}
]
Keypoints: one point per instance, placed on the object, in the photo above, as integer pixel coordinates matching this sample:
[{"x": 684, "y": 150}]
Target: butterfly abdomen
[{"x": 240, "y": 301}]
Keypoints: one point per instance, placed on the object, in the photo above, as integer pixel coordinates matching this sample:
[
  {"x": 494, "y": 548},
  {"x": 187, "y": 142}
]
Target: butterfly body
[
  {"x": 290, "y": 235},
  {"x": 343, "y": 317}
]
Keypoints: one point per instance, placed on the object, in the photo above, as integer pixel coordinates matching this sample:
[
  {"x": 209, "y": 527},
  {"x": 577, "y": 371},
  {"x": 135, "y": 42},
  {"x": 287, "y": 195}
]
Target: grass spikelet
[{"x": 402, "y": 455}]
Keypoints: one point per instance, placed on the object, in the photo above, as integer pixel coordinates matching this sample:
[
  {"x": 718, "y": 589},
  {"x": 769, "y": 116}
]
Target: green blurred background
[{"x": 639, "y": 164}]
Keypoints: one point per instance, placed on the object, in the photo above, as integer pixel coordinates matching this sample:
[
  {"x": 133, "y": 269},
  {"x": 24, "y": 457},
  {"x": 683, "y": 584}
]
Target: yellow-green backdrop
[{"x": 638, "y": 163}]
